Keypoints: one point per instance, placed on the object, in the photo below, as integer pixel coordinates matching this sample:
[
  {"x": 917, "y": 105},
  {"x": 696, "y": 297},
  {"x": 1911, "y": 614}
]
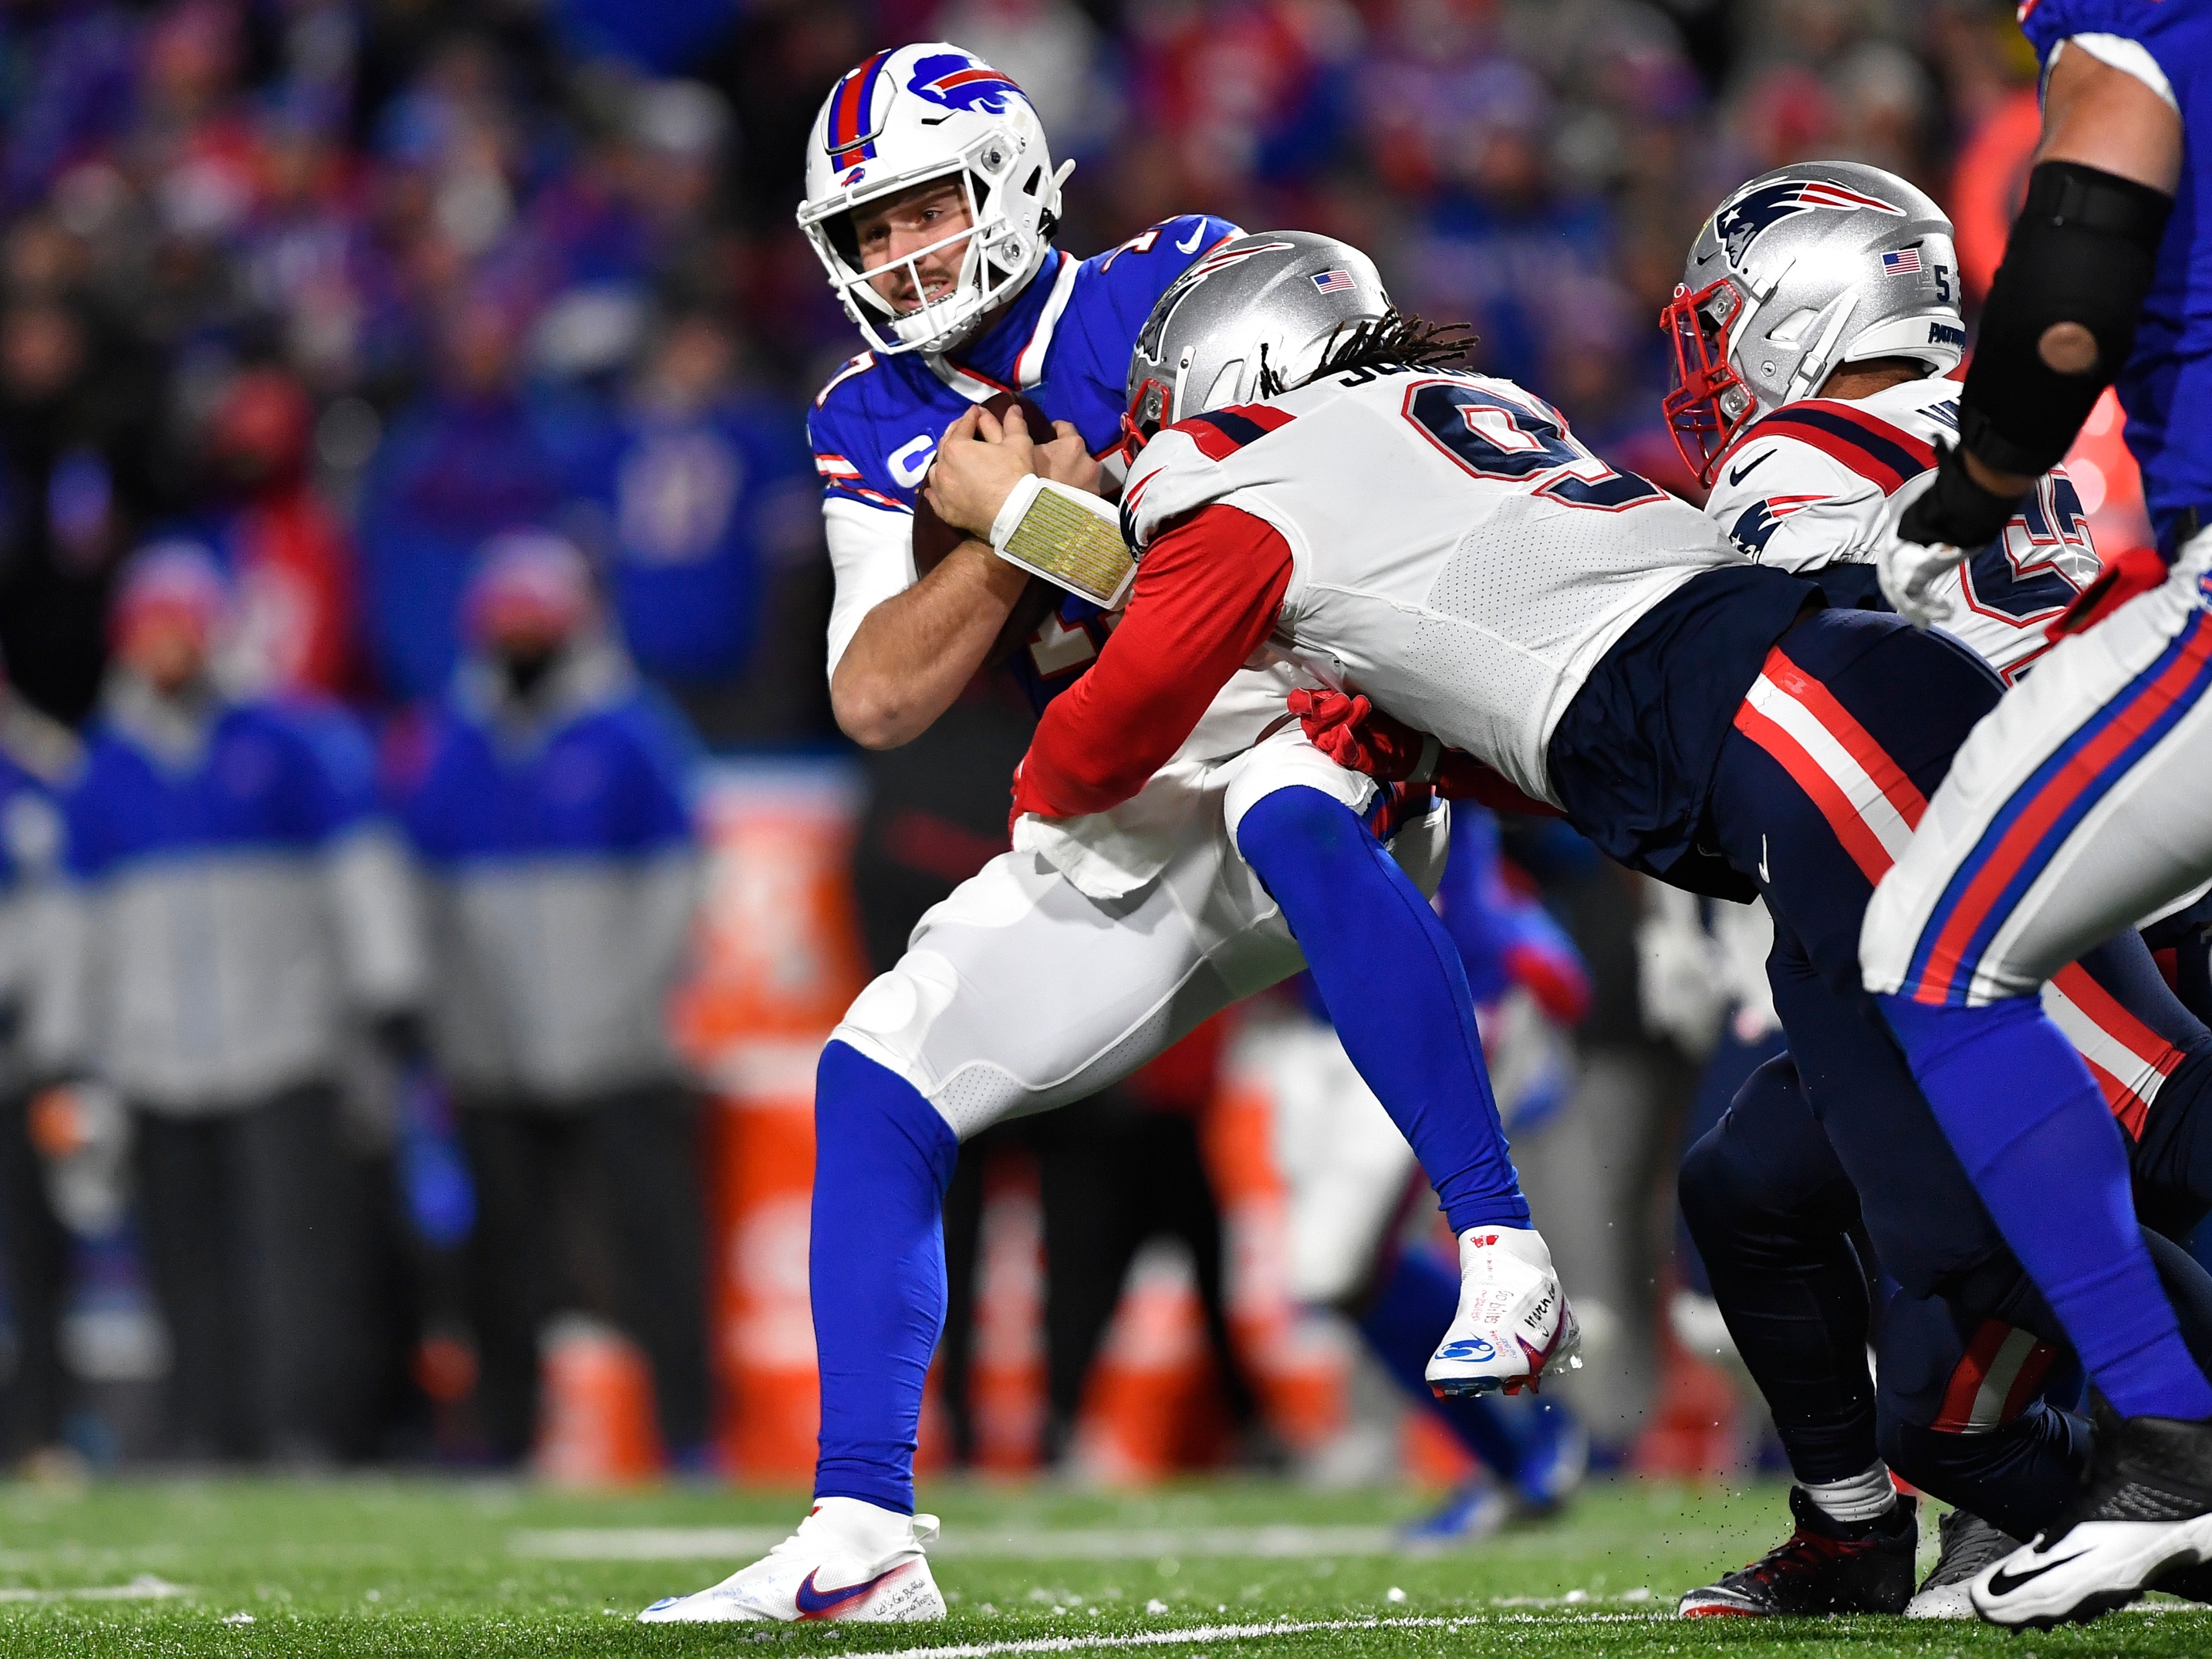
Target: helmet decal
[
  {"x": 916, "y": 115},
  {"x": 851, "y": 129},
  {"x": 955, "y": 80},
  {"x": 1229, "y": 253},
  {"x": 1739, "y": 223}
]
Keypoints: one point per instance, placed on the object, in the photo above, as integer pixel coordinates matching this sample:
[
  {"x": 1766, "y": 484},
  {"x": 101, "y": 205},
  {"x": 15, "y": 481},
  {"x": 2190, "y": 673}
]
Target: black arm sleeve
[{"x": 2082, "y": 251}]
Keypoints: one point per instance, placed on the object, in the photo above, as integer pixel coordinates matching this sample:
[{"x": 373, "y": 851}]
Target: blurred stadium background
[{"x": 342, "y": 293}]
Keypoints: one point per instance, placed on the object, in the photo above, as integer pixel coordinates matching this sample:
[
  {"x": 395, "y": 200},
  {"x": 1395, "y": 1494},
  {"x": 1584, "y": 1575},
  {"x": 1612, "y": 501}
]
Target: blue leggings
[{"x": 1395, "y": 990}]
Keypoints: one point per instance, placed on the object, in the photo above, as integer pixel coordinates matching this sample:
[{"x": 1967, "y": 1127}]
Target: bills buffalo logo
[
  {"x": 1741, "y": 222},
  {"x": 955, "y": 80}
]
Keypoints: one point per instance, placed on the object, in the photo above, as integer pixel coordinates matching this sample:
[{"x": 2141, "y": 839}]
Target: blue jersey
[
  {"x": 2167, "y": 385},
  {"x": 1065, "y": 342}
]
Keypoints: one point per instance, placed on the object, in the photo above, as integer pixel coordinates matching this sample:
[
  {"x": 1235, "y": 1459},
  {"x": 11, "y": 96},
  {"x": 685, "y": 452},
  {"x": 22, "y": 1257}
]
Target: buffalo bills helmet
[
  {"x": 1802, "y": 270},
  {"x": 908, "y": 117},
  {"x": 1251, "y": 319}
]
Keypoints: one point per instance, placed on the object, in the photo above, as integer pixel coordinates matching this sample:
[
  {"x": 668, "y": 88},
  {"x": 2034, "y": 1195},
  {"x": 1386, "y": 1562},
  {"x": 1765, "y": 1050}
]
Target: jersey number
[
  {"x": 2022, "y": 574},
  {"x": 1496, "y": 437}
]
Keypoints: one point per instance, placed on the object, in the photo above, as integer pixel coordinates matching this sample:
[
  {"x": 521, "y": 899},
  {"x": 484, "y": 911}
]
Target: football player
[
  {"x": 2080, "y": 806},
  {"x": 1439, "y": 543},
  {"x": 1816, "y": 321},
  {"x": 1063, "y": 965}
]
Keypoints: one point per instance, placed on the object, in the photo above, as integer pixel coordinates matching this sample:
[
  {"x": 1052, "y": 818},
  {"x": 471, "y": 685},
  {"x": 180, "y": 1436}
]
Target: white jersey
[
  {"x": 1457, "y": 554},
  {"x": 1808, "y": 486}
]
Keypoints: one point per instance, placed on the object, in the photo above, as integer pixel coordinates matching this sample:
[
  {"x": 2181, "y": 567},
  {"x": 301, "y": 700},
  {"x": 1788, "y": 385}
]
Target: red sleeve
[{"x": 1207, "y": 593}]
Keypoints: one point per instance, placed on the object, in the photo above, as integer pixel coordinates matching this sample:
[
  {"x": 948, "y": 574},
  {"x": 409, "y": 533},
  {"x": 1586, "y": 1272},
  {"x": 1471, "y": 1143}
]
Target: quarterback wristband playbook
[{"x": 1066, "y": 537}]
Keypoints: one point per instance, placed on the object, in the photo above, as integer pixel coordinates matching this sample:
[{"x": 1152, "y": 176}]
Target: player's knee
[
  {"x": 890, "y": 1020},
  {"x": 1711, "y": 1186},
  {"x": 866, "y": 1116}
]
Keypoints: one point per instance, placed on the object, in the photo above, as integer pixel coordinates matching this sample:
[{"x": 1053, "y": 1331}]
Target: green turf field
[{"x": 405, "y": 1566}]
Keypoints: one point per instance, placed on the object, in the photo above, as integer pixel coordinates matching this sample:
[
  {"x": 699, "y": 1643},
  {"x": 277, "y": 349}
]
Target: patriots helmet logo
[
  {"x": 1739, "y": 223},
  {"x": 953, "y": 80},
  {"x": 1229, "y": 253}
]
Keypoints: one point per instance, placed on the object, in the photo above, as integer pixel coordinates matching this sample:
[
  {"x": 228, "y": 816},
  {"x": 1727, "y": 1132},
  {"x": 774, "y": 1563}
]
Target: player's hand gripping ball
[{"x": 935, "y": 539}]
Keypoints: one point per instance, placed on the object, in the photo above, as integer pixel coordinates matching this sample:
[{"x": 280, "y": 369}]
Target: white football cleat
[
  {"x": 2143, "y": 1513},
  {"x": 1514, "y": 1327},
  {"x": 848, "y": 1560}
]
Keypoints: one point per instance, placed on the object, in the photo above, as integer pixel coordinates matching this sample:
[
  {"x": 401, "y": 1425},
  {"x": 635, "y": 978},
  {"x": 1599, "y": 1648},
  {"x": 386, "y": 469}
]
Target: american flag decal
[
  {"x": 1903, "y": 262},
  {"x": 1332, "y": 282}
]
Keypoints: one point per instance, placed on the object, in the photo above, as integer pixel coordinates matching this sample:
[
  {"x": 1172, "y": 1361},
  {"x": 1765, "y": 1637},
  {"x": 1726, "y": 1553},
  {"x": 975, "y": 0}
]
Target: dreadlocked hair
[{"x": 1396, "y": 340}]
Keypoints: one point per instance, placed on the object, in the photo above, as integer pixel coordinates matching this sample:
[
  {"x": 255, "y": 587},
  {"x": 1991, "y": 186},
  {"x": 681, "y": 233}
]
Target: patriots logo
[
  {"x": 955, "y": 80},
  {"x": 1756, "y": 524},
  {"x": 1739, "y": 223},
  {"x": 1148, "y": 341}
]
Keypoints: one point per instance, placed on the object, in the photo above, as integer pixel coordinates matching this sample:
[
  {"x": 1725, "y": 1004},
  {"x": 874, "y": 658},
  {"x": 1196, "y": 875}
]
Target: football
[{"x": 933, "y": 539}]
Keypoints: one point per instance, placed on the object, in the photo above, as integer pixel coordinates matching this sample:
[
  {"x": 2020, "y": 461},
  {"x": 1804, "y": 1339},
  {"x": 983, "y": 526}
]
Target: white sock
[{"x": 1863, "y": 1497}]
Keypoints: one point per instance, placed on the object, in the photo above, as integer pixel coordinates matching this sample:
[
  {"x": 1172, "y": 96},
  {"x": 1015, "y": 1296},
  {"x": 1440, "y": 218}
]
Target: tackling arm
[{"x": 1206, "y": 596}]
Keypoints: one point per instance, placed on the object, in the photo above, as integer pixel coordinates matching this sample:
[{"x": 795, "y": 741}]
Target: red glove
[
  {"x": 1361, "y": 738},
  {"x": 1357, "y": 736}
]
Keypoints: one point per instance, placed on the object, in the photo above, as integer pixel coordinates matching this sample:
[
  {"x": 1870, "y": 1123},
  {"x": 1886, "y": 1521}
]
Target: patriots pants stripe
[
  {"x": 1995, "y": 1379},
  {"x": 1873, "y": 807}
]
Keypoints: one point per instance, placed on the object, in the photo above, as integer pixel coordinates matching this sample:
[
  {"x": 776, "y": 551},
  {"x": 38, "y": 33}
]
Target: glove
[
  {"x": 1951, "y": 508},
  {"x": 1911, "y": 571},
  {"x": 1360, "y": 738}
]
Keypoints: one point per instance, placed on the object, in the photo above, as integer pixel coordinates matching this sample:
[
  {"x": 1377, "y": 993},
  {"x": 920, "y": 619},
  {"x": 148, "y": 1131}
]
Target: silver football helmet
[
  {"x": 1250, "y": 319},
  {"x": 1802, "y": 268}
]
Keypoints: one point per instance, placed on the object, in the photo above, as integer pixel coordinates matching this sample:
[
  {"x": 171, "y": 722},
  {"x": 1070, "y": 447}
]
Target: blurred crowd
[{"x": 402, "y": 467}]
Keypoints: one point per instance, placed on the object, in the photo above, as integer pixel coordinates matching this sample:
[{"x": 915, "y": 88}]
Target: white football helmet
[
  {"x": 906, "y": 118},
  {"x": 1809, "y": 266}
]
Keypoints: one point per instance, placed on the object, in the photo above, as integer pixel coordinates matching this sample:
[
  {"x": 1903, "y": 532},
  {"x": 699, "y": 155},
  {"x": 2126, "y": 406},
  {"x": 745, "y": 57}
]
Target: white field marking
[
  {"x": 144, "y": 1588},
  {"x": 739, "y": 1543},
  {"x": 1162, "y": 1638}
]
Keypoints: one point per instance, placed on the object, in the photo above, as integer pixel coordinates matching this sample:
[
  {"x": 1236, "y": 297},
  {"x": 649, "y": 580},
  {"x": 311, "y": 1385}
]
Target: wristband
[{"x": 1068, "y": 537}]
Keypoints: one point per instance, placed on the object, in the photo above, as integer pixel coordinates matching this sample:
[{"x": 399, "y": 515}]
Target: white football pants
[
  {"x": 1018, "y": 993},
  {"x": 2082, "y": 804}
]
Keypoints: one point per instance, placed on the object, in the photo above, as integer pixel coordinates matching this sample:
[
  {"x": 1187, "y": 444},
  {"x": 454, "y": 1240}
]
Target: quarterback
[{"x": 1064, "y": 965}]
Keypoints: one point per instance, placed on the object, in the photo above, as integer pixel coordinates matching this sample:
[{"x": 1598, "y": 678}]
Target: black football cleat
[
  {"x": 2141, "y": 1521},
  {"x": 1826, "y": 1567}
]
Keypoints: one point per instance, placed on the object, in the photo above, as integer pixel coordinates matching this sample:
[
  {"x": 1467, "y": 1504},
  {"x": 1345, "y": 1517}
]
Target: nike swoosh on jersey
[
  {"x": 824, "y": 1604},
  {"x": 1738, "y": 474},
  {"x": 1191, "y": 246},
  {"x": 2004, "y": 1584}
]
